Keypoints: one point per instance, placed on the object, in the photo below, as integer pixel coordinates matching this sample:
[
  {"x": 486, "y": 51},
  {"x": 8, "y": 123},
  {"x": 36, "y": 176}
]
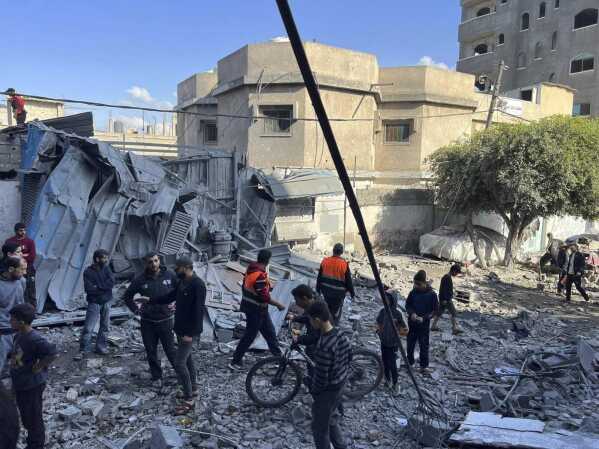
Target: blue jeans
[{"x": 95, "y": 312}]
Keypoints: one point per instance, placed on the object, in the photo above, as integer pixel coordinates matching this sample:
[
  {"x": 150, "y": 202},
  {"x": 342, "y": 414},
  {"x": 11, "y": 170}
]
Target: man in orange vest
[
  {"x": 334, "y": 281},
  {"x": 255, "y": 300}
]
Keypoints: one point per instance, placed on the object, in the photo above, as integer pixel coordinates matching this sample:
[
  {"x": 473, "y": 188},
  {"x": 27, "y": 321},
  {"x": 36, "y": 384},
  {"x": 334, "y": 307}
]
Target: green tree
[{"x": 522, "y": 172}]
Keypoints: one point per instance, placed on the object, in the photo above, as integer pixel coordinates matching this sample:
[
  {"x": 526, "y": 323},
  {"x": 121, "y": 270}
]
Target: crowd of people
[{"x": 171, "y": 309}]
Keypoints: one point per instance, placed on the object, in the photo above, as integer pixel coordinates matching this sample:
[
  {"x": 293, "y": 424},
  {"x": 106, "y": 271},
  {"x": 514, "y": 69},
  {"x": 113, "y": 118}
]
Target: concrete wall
[
  {"x": 36, "y": 110},
  {"x": 10, "y": 207}
]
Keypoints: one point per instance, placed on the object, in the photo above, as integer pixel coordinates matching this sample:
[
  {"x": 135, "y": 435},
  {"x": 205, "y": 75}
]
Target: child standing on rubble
[
  {"x": 421, "y": 305},
  {"x": 390, "y": 341}
]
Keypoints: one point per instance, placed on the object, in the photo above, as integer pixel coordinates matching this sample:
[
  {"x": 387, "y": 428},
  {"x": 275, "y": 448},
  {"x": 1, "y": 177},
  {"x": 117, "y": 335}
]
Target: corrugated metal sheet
[
  {"x": 31, "y": 185},
  {"x": 177, "y": 233},
  {"x": 161, "y": 202},
  {"x": 300, "y": 184}
]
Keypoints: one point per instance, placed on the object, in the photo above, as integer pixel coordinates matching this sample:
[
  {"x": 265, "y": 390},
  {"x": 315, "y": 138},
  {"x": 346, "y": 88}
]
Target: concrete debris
[{"x": 165, "y": 437}]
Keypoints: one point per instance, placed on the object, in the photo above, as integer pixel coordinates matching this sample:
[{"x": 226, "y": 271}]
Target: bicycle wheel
[
  {"x": 273, "y": 381},
  {"x": 365, "y": 374}
]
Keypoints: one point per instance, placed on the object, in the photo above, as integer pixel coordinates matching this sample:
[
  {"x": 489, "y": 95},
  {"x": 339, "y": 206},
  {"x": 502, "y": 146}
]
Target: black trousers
[
  {"x": 151, "y": 334},
  {"x": 335, "y": 307},
  {"x": 30, "y": 404},
  {"x": 389, "y": 356},
  {"x": 21, "y": 118},
  {"x": 325, "y": 420},
  {"x": 419, "y": 333},
  {"x": 257, "y": 321},
  {"x": 30, "y": 287},
  {"x": 9, "y": 421},
  {"x": 577, "y": 281}
]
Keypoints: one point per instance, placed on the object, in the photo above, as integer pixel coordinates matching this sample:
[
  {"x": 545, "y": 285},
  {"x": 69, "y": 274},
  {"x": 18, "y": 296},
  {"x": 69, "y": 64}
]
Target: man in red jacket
[
  {"x": 255, "y": 300},
  {"x": 18, "y": 106},
  {"x": 28, "y": 253}
]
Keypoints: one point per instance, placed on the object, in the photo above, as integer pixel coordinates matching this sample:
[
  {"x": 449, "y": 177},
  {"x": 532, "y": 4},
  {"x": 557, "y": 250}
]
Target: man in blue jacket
[{"x": 98, "y": 281}]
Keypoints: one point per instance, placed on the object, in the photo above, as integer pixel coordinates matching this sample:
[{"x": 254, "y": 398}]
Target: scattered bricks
[
  {"x": 94, "y": 363},
  {"x": 69, "y": 413},
  {"x": 93, "y": 407},
  {"x": 164, "y": 437}
]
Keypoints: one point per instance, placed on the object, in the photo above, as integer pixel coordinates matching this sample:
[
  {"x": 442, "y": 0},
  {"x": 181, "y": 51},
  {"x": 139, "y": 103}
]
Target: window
[
  {"x": 586, "y": 18},
  {"x": 554, "y": 40},
  {"x": 521, "y": 60},
  {"x": 525, "y": 22},
  {"x": 581, "y": 109},
  {"x": 556, "y": 4},
  {"x": 296, "y": 210},
  {"x": 552, "y": 78},
  {"x": 542, "y": 10},
  {"x": 526, "y": 95},
  {"x": 398, "y": 132},
  {"x": 538, "y": 50},
  {"x": 481, "y": 49},
  {"x": 210, "y": 132},
  {"x": 582, "y": 63},
  {"x": 501, "y": 39},
  {"x": 279, "y": 119},
  {"x": 483, "y": 12}
]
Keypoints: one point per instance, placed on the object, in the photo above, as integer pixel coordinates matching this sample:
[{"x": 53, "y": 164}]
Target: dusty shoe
[
  {"x": 395, "y": 390},
  {"x": 425, "y": 371}
]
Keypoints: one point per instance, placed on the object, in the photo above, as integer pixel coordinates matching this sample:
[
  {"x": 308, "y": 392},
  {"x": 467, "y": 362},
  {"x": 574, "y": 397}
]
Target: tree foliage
[{"x": 522, "y": 172}]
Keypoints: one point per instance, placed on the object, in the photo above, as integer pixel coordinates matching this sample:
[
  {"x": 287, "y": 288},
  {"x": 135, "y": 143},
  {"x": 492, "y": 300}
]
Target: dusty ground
[{"x": 117, "y": 385}]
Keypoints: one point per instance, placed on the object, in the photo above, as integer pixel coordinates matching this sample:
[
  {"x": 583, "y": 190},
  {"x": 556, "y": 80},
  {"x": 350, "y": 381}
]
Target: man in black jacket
[
  {"x": 562, "y": 258},
  {"x": 575, "y": 267},
  {"x": 156, "y": 319},
  {"x": 304, "y": 298},
  {"x": 98, "y": 282},
  {"x": 446, "y": 300},
  {"x": 190, "y": 299}
]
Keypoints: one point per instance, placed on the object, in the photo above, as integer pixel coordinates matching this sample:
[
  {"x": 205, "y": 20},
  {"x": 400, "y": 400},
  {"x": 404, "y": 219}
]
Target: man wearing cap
[
  {"x": 98, "y": 282},
  {"x": 446, "y": 299},
  {"x": 190, "y": 299},
  {"x": 27, "y": 246},
  {"x": 334, "y": 281},
  {"x": 18, "y": 106}
]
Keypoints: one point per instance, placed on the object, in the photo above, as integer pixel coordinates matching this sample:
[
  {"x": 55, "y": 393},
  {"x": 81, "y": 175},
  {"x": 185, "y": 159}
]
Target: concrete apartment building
[
  {"x": 540, "y": 40},
  {"x": 385, "y": 119}
]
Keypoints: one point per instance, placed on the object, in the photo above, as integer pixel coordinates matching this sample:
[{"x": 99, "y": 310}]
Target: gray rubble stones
[
  {"x": 165, "y": 437},
  {"x": 69, "y": 413}
]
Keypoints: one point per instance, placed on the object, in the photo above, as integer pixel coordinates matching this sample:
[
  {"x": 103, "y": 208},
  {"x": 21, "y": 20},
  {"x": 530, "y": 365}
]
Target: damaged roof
[{"x": 299, "y": 184}]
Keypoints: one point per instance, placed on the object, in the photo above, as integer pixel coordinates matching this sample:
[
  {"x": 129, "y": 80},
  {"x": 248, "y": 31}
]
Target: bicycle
[{"x": 274, "y": 381}]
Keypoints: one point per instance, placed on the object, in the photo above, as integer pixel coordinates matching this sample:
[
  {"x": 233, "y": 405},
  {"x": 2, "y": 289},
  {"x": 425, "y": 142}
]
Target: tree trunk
[
  {"x": 474, "y": 239},
  {"x": 512, "y": 245}
]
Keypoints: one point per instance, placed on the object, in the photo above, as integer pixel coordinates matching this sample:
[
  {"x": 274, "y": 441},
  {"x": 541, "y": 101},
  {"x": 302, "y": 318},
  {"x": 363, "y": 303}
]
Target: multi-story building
[
  {"x": 385, "y": 119},
  {"x": 553, "y": 41}
]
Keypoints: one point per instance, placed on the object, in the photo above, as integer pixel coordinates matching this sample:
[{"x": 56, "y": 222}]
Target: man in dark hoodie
[
  {"x": 304, "y": 298},
  {"x": 98, "y": 282},
  {"x": 156, "y": 319},
  {"x": 255, "y": 299},
  {"x": 190, "y": 297},
  {"x": 421, "y": 305}
]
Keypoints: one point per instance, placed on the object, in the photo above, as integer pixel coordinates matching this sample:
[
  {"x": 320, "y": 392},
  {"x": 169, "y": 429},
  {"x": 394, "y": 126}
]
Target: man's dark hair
[
  {"x": 11, "y": 91},
  {"x": 9, "y": 247},
  {"x": 100, "y": 253},
  {"x": 420, "y": 276},
  {"x": 338, "y": 249},
  {"x": 12, "y": 262},
  {"x": 184, "y": 262},
  {"x": 264, "y": 256},
  {"x": 23, "y": 312},
  {"x": 151, "y": 254},
  {"x": 455, "y": 269},
  {"x": 302, "y": 291},
  {"x": 20, "y": 226},
  {"x": 319, "y": 310}
]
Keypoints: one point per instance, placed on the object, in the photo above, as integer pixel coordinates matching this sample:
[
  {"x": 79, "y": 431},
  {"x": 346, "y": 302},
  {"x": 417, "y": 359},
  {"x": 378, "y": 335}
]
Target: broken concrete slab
[
  {"x": 165, "y": 437},
  {"x": 586, "y": 356}
]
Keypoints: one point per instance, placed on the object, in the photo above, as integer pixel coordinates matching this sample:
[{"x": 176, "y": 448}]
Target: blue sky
[{"x": 103, "y": 50}]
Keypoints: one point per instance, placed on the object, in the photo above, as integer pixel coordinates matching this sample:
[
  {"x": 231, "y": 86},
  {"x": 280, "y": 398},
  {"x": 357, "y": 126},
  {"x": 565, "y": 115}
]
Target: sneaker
[
  {"x": 395, "y": 389},
  {"x": 235, "y": 366}
]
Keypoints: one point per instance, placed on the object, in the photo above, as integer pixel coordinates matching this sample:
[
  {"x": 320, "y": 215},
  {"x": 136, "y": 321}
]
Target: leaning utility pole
[{"x": 496, "y": 90}]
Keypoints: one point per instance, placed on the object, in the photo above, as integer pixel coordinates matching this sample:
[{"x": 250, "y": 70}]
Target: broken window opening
[
  {"x": 296, "y": 210},
  {"x": 481, "y": 49},
  {"x": 526, "y": 94},
  {"x": 483, "y": 12},
  {"x": 554, "y": 40},
  {"x": 210, "y": 132},
  {"x": 581, "y": 109},
  {"x": 501, "y": 39},
  {"x": 586, "y": 18},
  {"x": 279, "y": 119},
  {"x": 525, "y": 23},
  {"x": 556, "y": 5},
  {"x": 542, "y": 10}
]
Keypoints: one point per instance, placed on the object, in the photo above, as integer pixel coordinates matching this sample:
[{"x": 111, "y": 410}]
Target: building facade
[
  {"x": 385, "y": 119},
  {"x": 553, "y": 41},
  {"x": 36, "y": 110}
]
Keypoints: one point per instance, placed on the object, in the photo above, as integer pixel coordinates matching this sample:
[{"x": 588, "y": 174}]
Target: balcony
[
  {"x": 478, "y": 64},
  {"x": 476, "y": 28}
]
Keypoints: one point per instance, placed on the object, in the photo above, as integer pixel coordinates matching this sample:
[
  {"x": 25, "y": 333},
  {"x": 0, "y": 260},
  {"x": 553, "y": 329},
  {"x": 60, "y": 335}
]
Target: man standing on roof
[
  {"x": 334, "y": 281},
  {"x": 27, "y": 246},
  {"x": 255, "y": 300},
  {"x": 18, "y": 106}
]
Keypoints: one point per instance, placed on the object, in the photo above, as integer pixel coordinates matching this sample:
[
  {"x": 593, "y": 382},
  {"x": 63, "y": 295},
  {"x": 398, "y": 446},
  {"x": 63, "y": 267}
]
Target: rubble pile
[{"x": 523, "y": 354}]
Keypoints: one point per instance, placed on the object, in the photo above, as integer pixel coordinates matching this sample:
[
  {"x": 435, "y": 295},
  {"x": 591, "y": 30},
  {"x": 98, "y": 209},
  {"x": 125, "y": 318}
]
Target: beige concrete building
[
  {"x": 385, "y": 119},
  {"x": 139, "y": 143},
  {"x": 36, "y": 110}
]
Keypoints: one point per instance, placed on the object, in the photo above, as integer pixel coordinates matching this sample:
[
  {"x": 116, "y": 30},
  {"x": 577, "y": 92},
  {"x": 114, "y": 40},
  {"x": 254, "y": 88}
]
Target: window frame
[
  {"x": 527, "y": 14},
  {"x": 556, "y": 4},
  {"x": 263, "y": 111},
  {"x": 475, "y": 53},
  {"x": 580, "y": 110},
  {"x": 582, "y": 58},
  {"x": 499, "y": 40},
  {"x": 205, "y": 125},
  {"x": 554, "y": 40},
  {"x": 586, "y": 26},
  {"x": 398, "y": 122},
  {"x": 542, "y": 10},
  {"x": 486, "y": 14}
]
